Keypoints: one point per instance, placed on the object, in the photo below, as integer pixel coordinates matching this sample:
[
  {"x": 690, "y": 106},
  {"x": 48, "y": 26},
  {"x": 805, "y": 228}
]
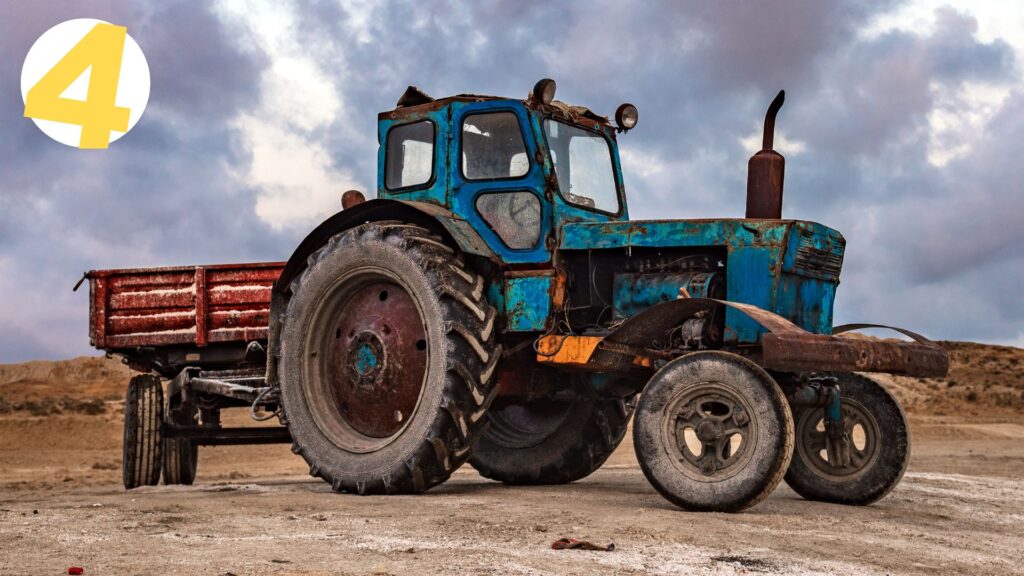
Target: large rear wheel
[
  {"x": 550, "y": 442},
  {"x": 878, "y": 437},
  {"x": 386, "y": 356},
  {"x": 713, "y": 432}
]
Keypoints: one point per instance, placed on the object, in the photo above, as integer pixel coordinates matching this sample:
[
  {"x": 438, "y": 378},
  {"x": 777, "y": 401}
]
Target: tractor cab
[{"x": 513, "y": 169}]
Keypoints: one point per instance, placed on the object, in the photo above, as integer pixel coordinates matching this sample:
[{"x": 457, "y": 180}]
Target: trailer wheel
[
  {"x": 386, "y": 357},
  {"x": 713, "y": 432},
  {"x": 143, "y": 419},
  {"x": 547, "y": 442},
  {"x": 879, "y": 446},
  {"x": 180, "y": 455}
]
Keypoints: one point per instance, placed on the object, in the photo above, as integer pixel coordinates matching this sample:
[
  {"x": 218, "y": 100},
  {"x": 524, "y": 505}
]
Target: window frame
[
  {"x": 522, "y": 137},
  {"x": 540, "y": 223},
  {"x": 611, "y": 157},
  {"x": 433, "y": 157}
]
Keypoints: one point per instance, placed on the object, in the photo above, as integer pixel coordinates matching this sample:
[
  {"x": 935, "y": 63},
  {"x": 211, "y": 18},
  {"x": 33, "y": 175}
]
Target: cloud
[
  {"x": 166, "y": 193},
  {"x": 901, "y": 129}
]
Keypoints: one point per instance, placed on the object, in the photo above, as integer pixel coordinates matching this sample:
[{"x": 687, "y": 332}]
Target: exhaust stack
[{"x": 766, "y": 171}]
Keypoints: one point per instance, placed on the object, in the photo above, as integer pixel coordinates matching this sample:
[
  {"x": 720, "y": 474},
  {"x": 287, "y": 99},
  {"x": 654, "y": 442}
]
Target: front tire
[
  {"x": 713, "y": 432},
  {"x": 879, "y": 439},
  {"x": 386, "y": 357}
]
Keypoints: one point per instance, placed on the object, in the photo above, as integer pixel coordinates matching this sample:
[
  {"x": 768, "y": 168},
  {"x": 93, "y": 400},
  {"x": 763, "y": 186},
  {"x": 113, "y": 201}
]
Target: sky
[{"x": 902, "y": 129}]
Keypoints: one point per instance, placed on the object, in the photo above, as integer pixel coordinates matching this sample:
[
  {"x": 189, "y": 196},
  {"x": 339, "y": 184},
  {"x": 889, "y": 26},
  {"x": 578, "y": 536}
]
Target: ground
[{"x": 254, "y": 510}]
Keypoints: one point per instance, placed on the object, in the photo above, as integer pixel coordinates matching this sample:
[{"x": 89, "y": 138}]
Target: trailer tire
[
  {"x": 348, "y": 362},
  {"x": 884, "y": 454},
  {"x": 706, "y": 399},
  {"x": 143, "y": 420},
  {"x": 180, "y": 455},
  {"x": 532, "y": 444}
]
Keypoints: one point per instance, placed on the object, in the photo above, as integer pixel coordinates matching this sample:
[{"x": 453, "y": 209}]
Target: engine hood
[{"x": 734, "y": 232}]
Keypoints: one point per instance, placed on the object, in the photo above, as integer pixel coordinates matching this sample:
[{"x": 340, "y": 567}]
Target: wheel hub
[
  {"x": 709, "y": 430},
  {"x": 375, "y": 359},
  {"x": 366, "y": 359}
]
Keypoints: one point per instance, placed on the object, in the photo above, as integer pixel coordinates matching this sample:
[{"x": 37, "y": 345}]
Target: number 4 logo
[{"x": 85, "y": 83}]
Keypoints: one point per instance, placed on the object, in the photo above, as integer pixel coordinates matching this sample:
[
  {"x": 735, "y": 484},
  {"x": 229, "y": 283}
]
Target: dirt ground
[{"x": 254, "y": 510}]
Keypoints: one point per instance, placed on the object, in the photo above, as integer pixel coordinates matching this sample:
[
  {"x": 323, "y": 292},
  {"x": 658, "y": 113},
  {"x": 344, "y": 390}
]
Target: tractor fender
[
  {"x": 653, "y": 323},
  {"x": 437, "y": 218},
  {"x": 455, "y": 230},
  {"x": 787, "y": 347}
]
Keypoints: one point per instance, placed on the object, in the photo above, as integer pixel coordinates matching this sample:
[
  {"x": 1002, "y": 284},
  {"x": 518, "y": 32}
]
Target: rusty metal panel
[
  {"x": 194, "y": 305},
  {"x": 527, "y": 300},
  {"x": 568, "y": 351},
  {"x": 810, "y": 352}
]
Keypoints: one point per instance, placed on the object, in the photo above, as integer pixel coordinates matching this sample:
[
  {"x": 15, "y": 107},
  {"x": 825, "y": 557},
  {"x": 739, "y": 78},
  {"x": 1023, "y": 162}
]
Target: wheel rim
[
  {"x": 860, "y": 428},
  {"x": 526, "y": 425},
  {"x": 366, "y": 360},
  {"x": 710, "y": 430}
]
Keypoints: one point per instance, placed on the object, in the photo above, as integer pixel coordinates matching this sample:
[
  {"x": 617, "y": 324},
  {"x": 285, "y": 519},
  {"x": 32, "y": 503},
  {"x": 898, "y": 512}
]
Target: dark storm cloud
[
  {"x": 163, "y": 194},
  {"x": 702, "y": 74},
  {"x": 930, "y": 247}
]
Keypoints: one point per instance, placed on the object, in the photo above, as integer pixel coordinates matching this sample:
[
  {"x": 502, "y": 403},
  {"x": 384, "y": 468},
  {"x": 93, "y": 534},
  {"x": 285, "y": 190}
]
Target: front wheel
[
  {"x": 713, "y": 432},
  {"x": 879, "y": 438}
]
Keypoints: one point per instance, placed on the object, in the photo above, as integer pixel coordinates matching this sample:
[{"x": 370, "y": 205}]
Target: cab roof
[{"x": 414, "y": 102}]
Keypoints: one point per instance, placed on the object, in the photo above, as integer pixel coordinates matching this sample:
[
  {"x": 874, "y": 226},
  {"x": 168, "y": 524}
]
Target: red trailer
[{"x": 204, "y": 329}]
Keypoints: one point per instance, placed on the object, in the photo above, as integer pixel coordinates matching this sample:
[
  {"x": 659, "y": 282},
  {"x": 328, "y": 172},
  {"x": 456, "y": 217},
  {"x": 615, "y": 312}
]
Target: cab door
[{"x": 496, "y": 181}]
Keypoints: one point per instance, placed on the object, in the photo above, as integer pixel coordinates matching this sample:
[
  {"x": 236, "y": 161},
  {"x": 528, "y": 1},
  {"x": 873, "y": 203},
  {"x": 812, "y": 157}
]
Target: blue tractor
[{"x": 495, "y": 304}]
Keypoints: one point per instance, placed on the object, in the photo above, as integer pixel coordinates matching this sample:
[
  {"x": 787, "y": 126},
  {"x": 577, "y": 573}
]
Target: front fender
[{"x": 786, "y": 347}]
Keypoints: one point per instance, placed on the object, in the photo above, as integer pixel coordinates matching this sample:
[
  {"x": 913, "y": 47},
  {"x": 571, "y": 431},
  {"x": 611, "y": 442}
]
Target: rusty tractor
[{"x": 496, "y": 305}]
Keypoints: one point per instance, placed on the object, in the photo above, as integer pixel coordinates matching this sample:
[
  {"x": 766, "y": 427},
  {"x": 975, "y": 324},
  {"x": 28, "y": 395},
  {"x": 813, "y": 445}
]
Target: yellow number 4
[{"x": 101, "y": 49}]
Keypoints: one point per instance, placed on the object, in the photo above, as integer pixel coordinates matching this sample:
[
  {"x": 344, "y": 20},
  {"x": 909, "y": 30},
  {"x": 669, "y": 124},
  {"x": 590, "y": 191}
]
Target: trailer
[{"x": 202, "y": 330}]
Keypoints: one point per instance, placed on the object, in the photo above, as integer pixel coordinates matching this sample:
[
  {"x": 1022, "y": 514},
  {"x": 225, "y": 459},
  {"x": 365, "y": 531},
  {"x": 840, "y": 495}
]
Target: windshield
[{"x": 583, "y": 166}]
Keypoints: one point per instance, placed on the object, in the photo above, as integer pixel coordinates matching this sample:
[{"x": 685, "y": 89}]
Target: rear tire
[
  {"x": 547, "y": 442},
  {"x": 686, "y": 428},
  {"x": 881, "y": 456},
  {"x": 386, "y": 398},
  {"x": 180, "y": 455},
  {"x": 143, "y": 420}
]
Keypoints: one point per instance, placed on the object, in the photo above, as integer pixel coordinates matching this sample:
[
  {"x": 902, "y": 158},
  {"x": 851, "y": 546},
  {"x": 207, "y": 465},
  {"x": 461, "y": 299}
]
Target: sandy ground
[{"x": 253, "y": 510}]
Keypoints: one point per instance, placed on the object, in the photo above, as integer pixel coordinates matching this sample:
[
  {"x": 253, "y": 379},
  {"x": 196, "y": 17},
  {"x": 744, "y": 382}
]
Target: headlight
[
  {"x": 544, "y": 90},
  {"x": 626, "y": 116}
]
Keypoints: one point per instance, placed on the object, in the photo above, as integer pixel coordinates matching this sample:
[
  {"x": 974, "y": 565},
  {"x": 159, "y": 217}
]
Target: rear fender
[{"x": 455, "y": 230}]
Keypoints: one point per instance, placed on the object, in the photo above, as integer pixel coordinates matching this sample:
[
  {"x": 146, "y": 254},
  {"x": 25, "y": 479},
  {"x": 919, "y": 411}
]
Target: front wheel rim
[
  {"x": 861, "y": 430},
  {"x": 710, "y": 431}
]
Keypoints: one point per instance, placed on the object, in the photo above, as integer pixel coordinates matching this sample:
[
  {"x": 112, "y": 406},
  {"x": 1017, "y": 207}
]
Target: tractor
[{"x": 495, "y": 305}]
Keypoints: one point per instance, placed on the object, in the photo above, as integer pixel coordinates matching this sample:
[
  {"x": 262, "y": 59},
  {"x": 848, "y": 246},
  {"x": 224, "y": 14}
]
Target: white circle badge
[{"x": 85, "y": 83}]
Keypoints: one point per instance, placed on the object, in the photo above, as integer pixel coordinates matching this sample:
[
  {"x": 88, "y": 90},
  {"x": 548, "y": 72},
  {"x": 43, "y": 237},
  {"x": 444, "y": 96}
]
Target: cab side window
[
  {"x": 409, "y": 158},
  {"x": 493, "y": 147}
]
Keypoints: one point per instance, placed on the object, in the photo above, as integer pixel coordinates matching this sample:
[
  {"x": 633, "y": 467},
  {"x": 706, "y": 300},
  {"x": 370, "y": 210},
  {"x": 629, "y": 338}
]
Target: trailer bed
[{"x": 191, "y": 306}]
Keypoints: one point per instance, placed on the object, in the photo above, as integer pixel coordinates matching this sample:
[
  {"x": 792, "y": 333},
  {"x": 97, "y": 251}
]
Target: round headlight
[
  {"x": 626, "y": 116},
  {"x": 544, "y": 90}
]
